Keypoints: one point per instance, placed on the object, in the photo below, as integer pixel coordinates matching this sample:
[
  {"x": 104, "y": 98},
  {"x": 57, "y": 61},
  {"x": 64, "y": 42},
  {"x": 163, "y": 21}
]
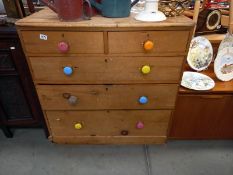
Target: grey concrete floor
[{"x": 29, "y": 153}]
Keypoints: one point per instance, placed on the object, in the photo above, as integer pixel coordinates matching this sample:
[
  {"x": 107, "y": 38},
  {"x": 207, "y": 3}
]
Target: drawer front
[
  {"x": 91, "y": 97},
  {"x": 163, "y": 41},
  {"x": 109, "y": 123},
  {"x": 43, "y": 42},
  {"x": 106, "y": 70}
]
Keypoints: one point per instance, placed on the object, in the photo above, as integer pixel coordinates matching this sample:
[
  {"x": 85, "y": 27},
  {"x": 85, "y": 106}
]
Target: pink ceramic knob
[
  {"x": 140, "y": 125},
  {"x": 63, "y": 47}
]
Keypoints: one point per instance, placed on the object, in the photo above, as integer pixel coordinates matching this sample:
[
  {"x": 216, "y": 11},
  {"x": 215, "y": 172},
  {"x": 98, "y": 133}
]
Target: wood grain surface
[
  {"x": 47, "y": 18},
  {"x": 203, "y": 117},
  {"x": 116, "y": 140},
  {"x": 79, "y": 42},
  {"x": 93, "y": 97},
  {"x": 132, "y": 42},
  {"x": 109, "y": 123},
  {"x": 105, "y": 70}
]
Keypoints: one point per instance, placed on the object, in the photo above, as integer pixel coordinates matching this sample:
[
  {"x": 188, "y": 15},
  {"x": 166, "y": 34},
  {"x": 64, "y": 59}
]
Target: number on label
[{"x": 43, "y": 37}]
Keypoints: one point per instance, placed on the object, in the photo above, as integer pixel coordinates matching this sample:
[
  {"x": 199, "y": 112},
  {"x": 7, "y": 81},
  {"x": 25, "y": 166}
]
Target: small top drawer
[
  {"x": 155, "y": 42},
  {"x": 63, "y": 42}
]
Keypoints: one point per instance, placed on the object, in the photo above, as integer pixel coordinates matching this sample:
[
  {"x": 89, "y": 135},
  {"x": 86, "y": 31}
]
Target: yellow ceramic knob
[
  {"x": 146, "y": 69},
  {"x": 78, "y": 126},
  {"x": 148, "y": 45}
]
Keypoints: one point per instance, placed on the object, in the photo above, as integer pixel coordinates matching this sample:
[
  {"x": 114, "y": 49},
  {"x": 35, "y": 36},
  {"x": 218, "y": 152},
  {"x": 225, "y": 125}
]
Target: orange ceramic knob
[{"x": 148, "y": 45}]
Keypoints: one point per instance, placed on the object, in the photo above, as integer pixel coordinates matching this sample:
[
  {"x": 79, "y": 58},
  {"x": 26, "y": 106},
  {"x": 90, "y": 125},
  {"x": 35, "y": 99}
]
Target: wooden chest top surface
[{"x": 48, "y": 18}]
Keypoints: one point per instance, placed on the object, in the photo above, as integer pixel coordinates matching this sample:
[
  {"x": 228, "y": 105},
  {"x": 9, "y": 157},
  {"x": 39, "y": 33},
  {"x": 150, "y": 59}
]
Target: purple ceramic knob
[
  {"x": 63, "y": 47},
  {"x": 140, "y": 125}
]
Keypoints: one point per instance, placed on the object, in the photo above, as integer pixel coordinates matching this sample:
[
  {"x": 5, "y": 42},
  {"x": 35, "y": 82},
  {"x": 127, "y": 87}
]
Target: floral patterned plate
[
  {"x": 223, "y": 64},
  {"x": 200, "y": 53},
  {"x": 197, "y": 81}
]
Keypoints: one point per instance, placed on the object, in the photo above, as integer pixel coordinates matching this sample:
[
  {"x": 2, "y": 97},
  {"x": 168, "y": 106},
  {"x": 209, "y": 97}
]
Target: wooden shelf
[
  {"x": 220, "y": 87},
  {"x": 215, "y": 38}
]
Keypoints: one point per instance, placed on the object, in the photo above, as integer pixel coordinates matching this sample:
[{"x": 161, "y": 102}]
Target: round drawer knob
[
  {"x": 72, "y": 100},
  {"x": 124, "y": 133},
  {"x": 143, "y": 100},
  {"x": 68, "y": 71},
  {"x": 140, "y": 125},
  {"x": 146, "y": 69},
  {"x": 78, "y": 126},
  {"x": 63, "y": 47},
  {"x": 148, "y": 45}
]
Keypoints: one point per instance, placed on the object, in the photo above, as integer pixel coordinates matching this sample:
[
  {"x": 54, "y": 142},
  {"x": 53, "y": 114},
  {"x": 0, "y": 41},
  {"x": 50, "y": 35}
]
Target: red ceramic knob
[
  {"x": 63, "y": 47},
  {"x": 140, "y": 125}
]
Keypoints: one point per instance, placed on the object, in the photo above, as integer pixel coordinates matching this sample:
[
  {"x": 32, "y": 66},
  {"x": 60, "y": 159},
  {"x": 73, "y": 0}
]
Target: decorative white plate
[
  {"x": 226, "y": 42},
  {"x": 223, "y": 64},
  {"x": 200, "y": 53},
  {"x": 197, "y": 81}
]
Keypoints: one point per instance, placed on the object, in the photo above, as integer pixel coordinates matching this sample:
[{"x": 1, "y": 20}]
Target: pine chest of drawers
[{"x": 106, "y": 81}]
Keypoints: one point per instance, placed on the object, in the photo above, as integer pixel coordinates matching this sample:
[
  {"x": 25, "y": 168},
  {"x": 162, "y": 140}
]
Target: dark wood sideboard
[
  {"x": 19, "y": 105},
  {"x": 204, "y": 115}
]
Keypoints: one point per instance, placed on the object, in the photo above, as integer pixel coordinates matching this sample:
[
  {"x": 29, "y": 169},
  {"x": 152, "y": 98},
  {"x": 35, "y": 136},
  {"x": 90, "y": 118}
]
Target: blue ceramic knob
[
  {"x": 68, "y": 70},
  {"x": 143, "y": 100}
]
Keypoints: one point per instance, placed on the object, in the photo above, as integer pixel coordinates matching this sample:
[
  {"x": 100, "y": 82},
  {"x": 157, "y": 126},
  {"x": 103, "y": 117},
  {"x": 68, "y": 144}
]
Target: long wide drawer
[
  {"x": 134, "y": 42},
  {"x": 42, "y": 42},
  {"x": 91, "y": 97},
  {"x": 109, "y": 123},
  {"x": 106, "y": 70}
]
